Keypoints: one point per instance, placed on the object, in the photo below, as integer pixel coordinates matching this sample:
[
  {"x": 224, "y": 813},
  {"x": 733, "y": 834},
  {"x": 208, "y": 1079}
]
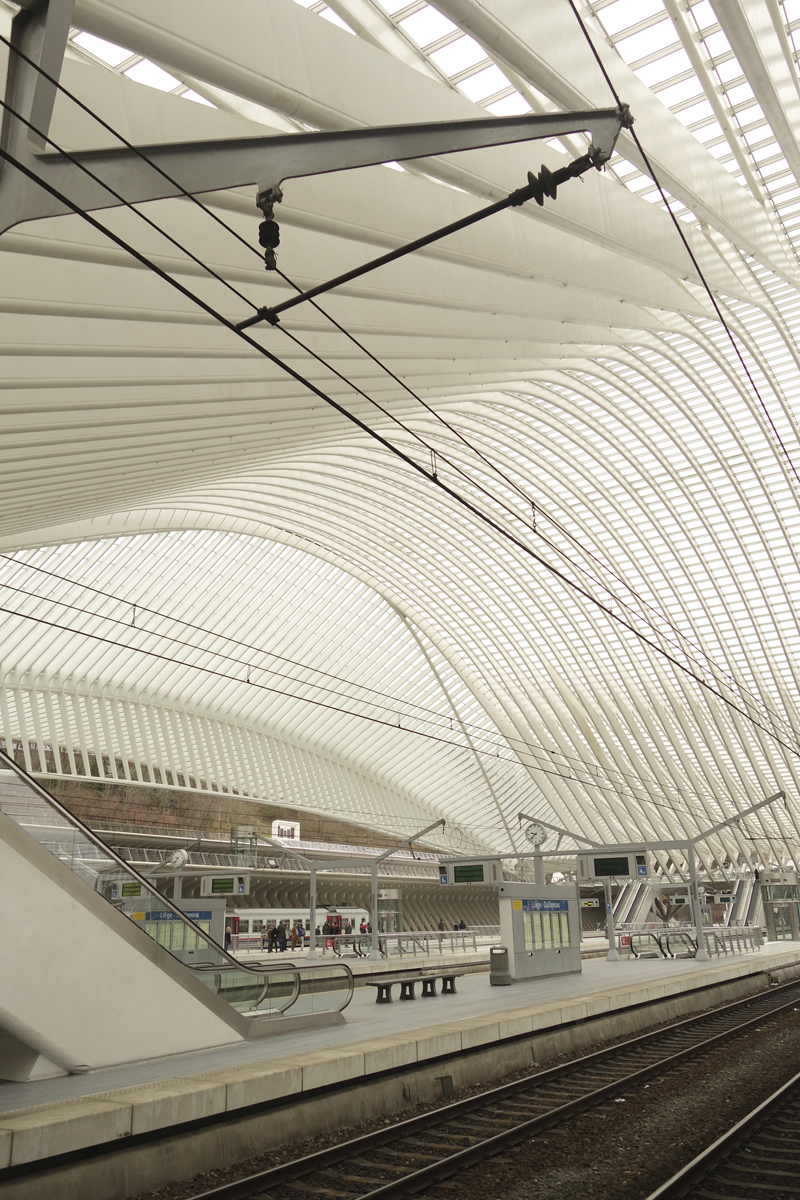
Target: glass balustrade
[{"x": 186, "y": 930}]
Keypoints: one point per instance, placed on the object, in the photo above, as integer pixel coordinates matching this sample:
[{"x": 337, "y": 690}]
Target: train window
[
  {"x": 244, "y": 926},
  {"x": 257, "y": 926}
]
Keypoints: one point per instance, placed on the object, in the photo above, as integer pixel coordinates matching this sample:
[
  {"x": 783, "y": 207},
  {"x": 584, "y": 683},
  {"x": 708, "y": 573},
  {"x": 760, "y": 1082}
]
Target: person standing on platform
[
  {"x": 461, "y": 924},
  {"x": 228, "y": 937},
  {"x": 440, "y": 926},
  {"x": 281, "y": 937},
  {"x": 264, "y": 938}
]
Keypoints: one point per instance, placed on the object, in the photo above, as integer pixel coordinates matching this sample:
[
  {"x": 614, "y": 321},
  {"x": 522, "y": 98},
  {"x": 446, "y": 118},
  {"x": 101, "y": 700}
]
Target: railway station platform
[{"x": 384, "y": 1059}]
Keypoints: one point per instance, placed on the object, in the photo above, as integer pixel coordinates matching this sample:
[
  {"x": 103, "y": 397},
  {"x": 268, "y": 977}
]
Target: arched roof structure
[{"x": 211, "y": 578}]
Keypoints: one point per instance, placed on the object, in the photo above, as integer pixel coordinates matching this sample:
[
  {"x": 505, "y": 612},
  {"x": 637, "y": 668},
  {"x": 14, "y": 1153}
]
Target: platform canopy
[{"x": 213, "y": 578}]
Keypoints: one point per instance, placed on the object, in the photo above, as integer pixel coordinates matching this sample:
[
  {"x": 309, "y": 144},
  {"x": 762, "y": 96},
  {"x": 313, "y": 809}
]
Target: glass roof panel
[
  {"x": 622, "y": 14},
  {"x": 512, "y": 106},
  {"x": 148, "y": 73},
  {"x": 483, "y": 84},
  {"x": 459, "y": 55},
  {"x": 427, "y": 26},
  {"x": 107, "y": 52}
]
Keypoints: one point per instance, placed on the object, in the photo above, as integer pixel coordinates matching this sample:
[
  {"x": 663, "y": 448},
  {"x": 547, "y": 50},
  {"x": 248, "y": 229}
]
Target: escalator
[
  {"x": 115, "y": 993},
  {"x": 632, "y": 903}
]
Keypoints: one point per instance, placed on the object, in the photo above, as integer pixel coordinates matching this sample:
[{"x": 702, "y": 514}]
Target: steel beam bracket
[{"x": 37, "y": 181}]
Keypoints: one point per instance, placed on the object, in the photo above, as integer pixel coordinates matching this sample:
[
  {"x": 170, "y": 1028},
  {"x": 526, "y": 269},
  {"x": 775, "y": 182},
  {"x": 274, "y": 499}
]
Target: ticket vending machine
[{"x": 541, "y": 926}]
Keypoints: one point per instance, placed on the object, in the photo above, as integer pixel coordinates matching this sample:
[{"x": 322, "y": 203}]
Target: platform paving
[{"x": 52, "y": 1116}]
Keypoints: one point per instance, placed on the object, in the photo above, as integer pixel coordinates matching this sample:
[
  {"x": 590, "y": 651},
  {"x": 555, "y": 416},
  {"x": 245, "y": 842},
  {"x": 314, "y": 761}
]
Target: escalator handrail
[
  {"x": 645, "y": 934},
  {"x": 77, "y": 823},
  {"x": 681, "y": 933},
  {"x": 286, "y": 969}
]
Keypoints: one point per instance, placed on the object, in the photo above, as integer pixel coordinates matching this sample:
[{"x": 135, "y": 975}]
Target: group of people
[{"x": 276, "y": 937}]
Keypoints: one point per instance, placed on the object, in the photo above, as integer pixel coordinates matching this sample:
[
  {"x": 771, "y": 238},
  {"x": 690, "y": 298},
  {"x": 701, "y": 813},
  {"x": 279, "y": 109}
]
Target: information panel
[
  {"x": 468, "y": 873},
  {"x": 610, "y": 866}
]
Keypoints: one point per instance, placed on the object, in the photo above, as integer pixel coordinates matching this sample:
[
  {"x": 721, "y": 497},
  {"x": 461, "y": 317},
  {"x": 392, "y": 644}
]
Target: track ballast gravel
[{"x": 623, "y": 1149}]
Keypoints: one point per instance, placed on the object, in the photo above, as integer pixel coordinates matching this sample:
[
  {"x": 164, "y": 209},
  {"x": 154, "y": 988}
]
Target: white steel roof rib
[{"x": 210, "y": 579}]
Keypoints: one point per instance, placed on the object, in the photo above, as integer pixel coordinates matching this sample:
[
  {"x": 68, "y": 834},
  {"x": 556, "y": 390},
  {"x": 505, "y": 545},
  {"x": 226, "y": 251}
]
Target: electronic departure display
[
  {"x": 468, "y": 873},
  {"x": 611, "y": 866},
  {"x": 221, "y": 887}
]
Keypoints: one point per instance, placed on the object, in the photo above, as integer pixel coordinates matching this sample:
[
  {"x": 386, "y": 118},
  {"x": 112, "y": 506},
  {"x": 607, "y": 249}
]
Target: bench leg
[
  {"x": 429, "y": 987},
  {"x": 407, "y": 989},
  {"x": 384, "y": 993},
  {"x": 449, "y": 985}
]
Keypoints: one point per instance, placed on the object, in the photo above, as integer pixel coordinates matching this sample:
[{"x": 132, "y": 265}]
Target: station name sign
[{"x": 542, "y": 905}]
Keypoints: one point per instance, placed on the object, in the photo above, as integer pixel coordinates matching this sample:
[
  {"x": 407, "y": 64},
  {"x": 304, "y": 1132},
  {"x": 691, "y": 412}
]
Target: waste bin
[{"x": 499, "y": 972}]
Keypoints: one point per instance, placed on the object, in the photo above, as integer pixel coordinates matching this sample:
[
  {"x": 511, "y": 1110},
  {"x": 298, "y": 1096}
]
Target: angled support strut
[{"x": 537, "y": 187}]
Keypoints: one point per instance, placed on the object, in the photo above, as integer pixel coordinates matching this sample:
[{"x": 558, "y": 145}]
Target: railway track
[
  {"x": 758, "y": 1157},
  {"x": 412, "y": 1155}
]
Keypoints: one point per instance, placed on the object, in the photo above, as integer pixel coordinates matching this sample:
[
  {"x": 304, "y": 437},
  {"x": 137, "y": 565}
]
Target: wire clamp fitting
[{"x": 261, "y": 314}]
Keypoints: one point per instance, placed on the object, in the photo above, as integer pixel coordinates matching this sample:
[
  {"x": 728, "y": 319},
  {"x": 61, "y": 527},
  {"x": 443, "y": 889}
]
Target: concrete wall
[{"x": 80, "y": 984}]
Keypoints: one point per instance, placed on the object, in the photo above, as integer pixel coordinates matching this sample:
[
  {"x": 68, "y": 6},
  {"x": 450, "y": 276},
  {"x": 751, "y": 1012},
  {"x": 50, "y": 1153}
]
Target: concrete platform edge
[{"x": 195, "y": 1112}]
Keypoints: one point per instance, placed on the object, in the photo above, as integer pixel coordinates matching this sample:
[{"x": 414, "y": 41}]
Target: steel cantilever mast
[{"x": 36, "y": 51}]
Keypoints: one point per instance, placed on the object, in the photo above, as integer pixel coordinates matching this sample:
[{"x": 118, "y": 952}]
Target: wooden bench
[{"x": 409, "y": 982}]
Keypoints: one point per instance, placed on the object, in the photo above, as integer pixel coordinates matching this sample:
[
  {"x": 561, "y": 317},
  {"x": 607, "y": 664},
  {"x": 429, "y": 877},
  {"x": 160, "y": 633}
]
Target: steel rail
[
  {"x": 487, "y": 1107},
  {"x": 725, "y": 1148}
]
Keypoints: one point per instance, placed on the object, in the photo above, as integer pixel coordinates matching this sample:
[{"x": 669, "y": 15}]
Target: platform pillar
[
  {"x": 312, "y": 937},
  {"x": 702, "y": 954},
  {"x": 374, "y": 952},
  {"x": 613, "y": 952}
]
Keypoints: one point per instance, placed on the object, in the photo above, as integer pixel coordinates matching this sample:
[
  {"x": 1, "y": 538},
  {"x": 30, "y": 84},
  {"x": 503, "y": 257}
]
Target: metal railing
[
  {"x": 272, "y": 991},
  {"x": 678, "y": 939},
  {"x": 723, "y": 940},
  {"x": 249, "y": 988},
  {"x": 412, "y": 943}
]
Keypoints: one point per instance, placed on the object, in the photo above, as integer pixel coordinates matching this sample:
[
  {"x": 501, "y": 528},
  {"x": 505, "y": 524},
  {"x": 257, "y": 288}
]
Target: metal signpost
[
  {"x": 687, "y": 845},
  {"x": 323, "y": 864}
]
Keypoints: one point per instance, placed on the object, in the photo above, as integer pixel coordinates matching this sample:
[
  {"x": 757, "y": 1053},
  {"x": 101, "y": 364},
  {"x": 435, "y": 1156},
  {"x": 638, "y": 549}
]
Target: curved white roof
[{"x": 625, "y": 668}]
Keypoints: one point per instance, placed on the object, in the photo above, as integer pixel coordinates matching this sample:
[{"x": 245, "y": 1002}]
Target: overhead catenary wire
[
  {"x": 495, "y": 738},
  {"x": 433, "y": 412},
  {"x": 695, "y": 653},
  {"x": 701, "y": 275},
  {"x": 456, "y": 493},
  {"x": 617, "y": 790},
  {"x": 436, "y": 479},
  {"x": 706, "y": 661},
  {"x": 395, "y": 703}
]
